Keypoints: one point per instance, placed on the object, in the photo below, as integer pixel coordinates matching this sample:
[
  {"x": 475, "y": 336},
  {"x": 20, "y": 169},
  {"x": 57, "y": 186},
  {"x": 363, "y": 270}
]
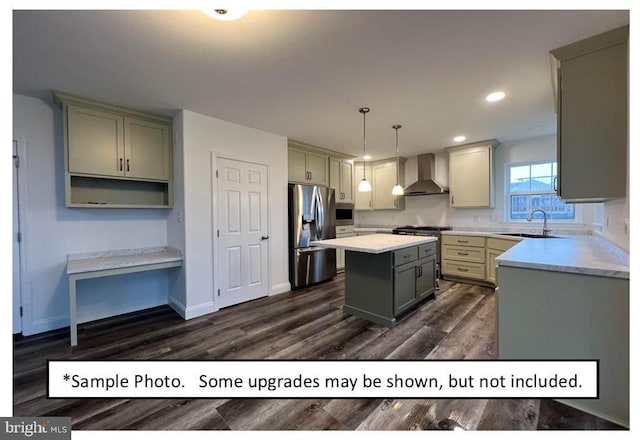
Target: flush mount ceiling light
[
  {"x": 367, "y": 157},
  {"x": 397, "y": 189},
  {"x": 364, "y": 185},
  {"x": 459, "y": 139},
  {"x": 495, "y": 96},
  {"x": 226, "y": 14}
]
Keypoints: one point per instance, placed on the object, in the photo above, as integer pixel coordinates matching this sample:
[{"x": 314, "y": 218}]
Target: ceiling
[{"x": 304, "y": 74}]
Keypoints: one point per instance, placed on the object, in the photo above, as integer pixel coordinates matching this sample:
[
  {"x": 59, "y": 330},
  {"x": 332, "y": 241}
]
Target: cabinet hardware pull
[
  {"x": 120, "y": 164},
  {"x": 463, "y": 241},
  {"x": 310, "y": 175},
  {"x": 463, "y": 253},
  {"x": 463, "y": 270},
  {"x": 452, "y": 202},
  {"x": 265, "y": 237},
  {"x": 369, "y": 203},
  {"x": 555, "y": 184},
  {"x": 128, "y": 165}
]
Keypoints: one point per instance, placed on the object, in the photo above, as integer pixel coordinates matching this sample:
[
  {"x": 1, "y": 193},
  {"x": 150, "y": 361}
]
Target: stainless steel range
[{"x": 428, "y": 231}]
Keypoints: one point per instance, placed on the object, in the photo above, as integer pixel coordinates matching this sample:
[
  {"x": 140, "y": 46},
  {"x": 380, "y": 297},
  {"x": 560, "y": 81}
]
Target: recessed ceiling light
[
  {"x": 226, "y": 14},
  {"x": 495, "y": 96},
  {"x": 459, "y": 138},
  {"x": 367, "y": 157}
]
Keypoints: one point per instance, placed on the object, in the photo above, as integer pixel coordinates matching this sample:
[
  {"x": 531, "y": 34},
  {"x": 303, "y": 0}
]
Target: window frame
[{"x": 507, "y": 193}]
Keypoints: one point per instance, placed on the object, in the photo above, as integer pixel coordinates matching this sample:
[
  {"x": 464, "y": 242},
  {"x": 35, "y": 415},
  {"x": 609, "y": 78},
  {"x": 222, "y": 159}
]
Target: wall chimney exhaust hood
[{"x": 426, "y": 184}]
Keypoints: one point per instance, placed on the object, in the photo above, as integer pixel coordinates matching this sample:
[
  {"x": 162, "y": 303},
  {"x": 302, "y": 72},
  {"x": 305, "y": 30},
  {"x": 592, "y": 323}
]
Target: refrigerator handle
[{"x": 319, "y": 213}]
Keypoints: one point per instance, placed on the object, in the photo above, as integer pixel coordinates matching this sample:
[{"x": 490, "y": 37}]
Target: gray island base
[{"x": 386, "y": 275}]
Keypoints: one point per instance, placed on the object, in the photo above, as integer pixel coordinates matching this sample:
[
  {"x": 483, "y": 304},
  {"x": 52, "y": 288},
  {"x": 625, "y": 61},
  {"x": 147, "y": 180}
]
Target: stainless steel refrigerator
[{"x": 312, "y": 216}]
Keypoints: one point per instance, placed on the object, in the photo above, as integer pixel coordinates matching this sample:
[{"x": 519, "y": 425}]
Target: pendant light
[
  {"x": 364, "y": 185},
  {"x": 397, "y": 190}
]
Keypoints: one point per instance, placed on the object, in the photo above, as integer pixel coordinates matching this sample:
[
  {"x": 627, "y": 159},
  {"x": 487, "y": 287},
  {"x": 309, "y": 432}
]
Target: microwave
[{"x": 344, "y": 214}]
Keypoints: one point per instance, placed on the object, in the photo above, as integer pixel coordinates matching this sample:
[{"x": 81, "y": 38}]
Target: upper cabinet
[
  {"x": 111, "y": 144},
  {"x": 591, "y": 88},
  {"x": 341, "y": 179},
  {"x": 362, "y": 200},
  {"x": 115, "y": 157},
  {"x": 382, "y": 175},
  {"x": 307, "y": 165},
  {"x": 471, "y": 177}
]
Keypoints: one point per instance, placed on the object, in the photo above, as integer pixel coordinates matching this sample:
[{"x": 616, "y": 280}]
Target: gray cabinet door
[
  {"x": 593, "y": 132},
  {"x": 95, "y": 141},
  {"x": 346, "y": 178},
  {"x": 404, "y": 285},
  {"x": 297, "y": 166},
  {"x": 425, "y": 278},
  {"x": 147, "y": 149},
  {"x": 318, "y": 168}
]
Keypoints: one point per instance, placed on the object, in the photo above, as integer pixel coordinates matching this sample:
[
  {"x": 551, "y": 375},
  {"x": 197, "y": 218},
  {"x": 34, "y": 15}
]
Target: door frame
[
  {"x": 25, "y": 284},
  {"x": 214, "y": 219}
]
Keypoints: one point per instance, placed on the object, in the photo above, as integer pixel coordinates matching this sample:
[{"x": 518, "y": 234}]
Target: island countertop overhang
[{"x": 375, "y": 244}]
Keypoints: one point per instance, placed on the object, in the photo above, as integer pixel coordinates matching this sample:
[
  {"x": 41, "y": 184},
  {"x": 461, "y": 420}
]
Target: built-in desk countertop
[{"x": 114, "y": 262}]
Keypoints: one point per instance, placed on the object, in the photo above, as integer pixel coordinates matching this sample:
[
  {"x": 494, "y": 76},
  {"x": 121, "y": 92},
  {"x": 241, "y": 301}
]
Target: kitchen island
[
  {"x": 386, "y": 275},
  {"x": 567, "y": 299}
]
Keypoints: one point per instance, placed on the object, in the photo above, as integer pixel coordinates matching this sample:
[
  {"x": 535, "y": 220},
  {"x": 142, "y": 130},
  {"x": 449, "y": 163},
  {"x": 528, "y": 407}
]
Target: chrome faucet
[{"x": 544, "y": 225}]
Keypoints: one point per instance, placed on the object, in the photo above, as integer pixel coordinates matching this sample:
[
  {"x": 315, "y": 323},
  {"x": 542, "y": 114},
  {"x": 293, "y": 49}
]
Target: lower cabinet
[
  {"x": 543, "y": 314},
  {"x": 412, "y": 282},
  {"x": 472, "y": 258},
  {"x": 463, "y": 257},
  {"x": 382, "y": 287},
  {"x": 496, "y": 247},
  {"x": 342, "y": 232}
]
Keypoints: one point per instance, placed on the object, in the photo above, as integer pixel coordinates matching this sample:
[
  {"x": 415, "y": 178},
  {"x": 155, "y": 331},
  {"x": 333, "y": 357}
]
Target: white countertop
[
  {"x": 374, "y": 244},
  {"x": 94, "y": 261},
  {"x": 588, "y": 255},
  {"x": 483, "y": 234},
  {"x": 376, "y": 229}
]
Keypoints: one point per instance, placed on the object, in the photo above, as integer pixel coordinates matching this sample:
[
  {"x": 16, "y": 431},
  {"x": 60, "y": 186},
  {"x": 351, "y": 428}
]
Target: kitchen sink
[{"x": 520, "y": 234}]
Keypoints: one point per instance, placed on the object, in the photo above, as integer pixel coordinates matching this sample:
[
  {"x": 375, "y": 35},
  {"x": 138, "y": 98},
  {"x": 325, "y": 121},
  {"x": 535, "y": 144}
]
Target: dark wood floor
[{"x": 306, "y": 324}]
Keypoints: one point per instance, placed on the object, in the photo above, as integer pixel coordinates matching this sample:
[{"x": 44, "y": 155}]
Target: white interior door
[
  {"x": 243, "y": 267},
  {"x": 17, "y": 282}
]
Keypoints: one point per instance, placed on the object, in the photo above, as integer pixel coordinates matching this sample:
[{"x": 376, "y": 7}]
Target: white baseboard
[
  {"x": 191, "y": 312},
  {"x": 46, "y": 324},
  {"x": 60, "y": 321},
  {"x": 178, "y": 307},
  {"x": 280, "y": 288}
]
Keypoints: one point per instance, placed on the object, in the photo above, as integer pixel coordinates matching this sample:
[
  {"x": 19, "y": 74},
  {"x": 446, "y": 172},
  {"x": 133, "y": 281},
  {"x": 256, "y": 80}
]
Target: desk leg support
[{"x": 73, "y": 318}]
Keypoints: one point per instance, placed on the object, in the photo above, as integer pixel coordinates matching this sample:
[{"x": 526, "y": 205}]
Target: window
[{"x": 531, "y": 186}]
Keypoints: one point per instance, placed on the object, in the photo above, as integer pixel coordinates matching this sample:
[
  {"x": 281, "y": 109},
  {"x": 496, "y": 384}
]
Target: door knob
[{"x": 265, "y": 237}]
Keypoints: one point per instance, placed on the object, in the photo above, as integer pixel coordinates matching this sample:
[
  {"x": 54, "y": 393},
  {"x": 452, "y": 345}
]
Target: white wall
[
  {"x": 435, "y": 210},
  {"x": 198, "y": 136},
  {"x": 615, "y": 222},
  {"x": 52, "y": 231}
]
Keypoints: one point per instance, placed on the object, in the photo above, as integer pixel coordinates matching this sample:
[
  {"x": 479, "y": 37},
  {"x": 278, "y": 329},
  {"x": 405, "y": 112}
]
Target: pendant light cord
[
  {"x": 364, "y": 111},
  {"x": 396, "y": 127}
]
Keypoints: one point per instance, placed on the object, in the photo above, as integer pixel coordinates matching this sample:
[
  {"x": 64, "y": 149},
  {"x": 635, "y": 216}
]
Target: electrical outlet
[{"x": 180, "y": 217}]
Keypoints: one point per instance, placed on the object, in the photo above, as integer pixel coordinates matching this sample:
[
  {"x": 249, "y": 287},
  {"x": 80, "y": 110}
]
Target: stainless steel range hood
[{"x": 426, "y": 183}]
